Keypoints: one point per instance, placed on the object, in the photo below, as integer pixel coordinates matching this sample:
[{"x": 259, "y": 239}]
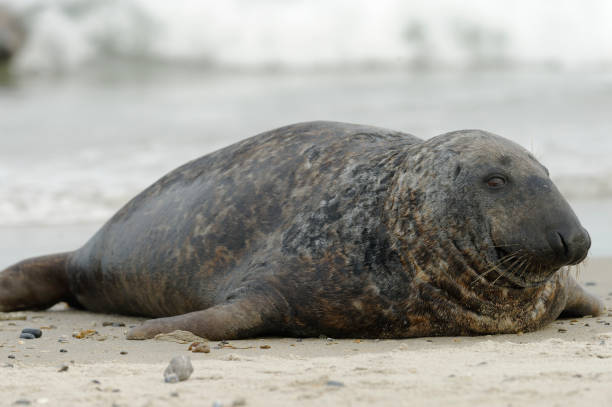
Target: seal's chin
[{"x": 519, "y": 270}]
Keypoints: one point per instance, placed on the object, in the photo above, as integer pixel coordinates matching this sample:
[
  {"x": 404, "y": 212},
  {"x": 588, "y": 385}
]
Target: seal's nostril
[{"x": 565, "y": 247}]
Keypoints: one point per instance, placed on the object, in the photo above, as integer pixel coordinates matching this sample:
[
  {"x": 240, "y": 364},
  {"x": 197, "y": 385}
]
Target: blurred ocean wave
[{"x": 66, "y": 35}]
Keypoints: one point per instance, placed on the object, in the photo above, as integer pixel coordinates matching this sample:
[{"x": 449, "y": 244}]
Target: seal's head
[{"x": 491, "y": 200}]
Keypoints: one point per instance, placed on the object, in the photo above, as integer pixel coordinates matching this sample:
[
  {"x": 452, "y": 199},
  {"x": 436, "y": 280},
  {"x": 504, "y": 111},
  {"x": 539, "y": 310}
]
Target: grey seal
[{"x": 331, "y": 228}]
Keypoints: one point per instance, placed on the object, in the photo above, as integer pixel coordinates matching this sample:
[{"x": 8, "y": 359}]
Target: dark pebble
[
  {"x": 34, "y": 331},
  {"x": 94, "y": 381},
  {"x": 590, "y": 283},
  {"x": 174, "y": 394},
  {"x": 63, "y": 350},
  {"x": 113, "y": 324},
  {"x": 123, "y": 352},
  {"x": 22, "y": 402},
  {"x": 334, "y": 383},
  {"x": 63, "y": 368},
  {"x": 27, "y": 336},
  {"x": 562, "y": 330},
  {"x": 11, "y": 356}
]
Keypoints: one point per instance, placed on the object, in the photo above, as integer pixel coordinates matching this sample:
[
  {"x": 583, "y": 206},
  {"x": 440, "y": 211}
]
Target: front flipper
[
  {"x": 580, "y": 302},
  {"x": 240, "y": 318}
]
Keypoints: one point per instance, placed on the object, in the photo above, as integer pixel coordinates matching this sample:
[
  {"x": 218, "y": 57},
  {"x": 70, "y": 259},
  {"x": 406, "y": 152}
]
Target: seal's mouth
[{"x": 519, "y": 269}]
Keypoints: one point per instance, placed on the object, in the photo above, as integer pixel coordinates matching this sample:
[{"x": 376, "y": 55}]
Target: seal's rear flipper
[
  {"x": 580, "y": 302},
  {"x": 233, "y": 320},
  {"x": 36, "y": 283}
]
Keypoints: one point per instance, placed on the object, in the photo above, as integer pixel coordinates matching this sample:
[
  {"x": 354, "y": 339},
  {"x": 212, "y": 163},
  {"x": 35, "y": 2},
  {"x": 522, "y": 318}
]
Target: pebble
[
  {"x": 179, "y": 369},
  {"x": 123, "y": 352},
  {"x": 174, "y": 394},
  {"x": 34, "y": 331},
  {"x": 63, "y": 350},
  {"x": 334, "y": 383},
  {"x": 265, "y": 346},
  {"x": 11, "y": 356},
  {"x": 241, "y": 401},
  {"x": 22, "y": 402},
  {"x": 27, "y": 336},
  {"x": 562, "y": 330},
  {"x": 95, "y": 381},
  {"x": 113, "y": 324},
  {"x": 198, "y": 347},
  {"x": 63, "y": 368},
  {"x": 590, "y": 283}
]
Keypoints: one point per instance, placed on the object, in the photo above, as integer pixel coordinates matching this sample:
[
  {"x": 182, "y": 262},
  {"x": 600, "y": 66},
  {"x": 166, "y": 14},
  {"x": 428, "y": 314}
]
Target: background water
[{"x": 108, "y": 96}]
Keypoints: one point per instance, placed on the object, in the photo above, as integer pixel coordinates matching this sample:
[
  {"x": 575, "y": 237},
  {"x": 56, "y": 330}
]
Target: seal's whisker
[
  {"x": 510, "y": 257},
  {"x": 510, "y": 269},
  {"x": 495, "y": 266}
]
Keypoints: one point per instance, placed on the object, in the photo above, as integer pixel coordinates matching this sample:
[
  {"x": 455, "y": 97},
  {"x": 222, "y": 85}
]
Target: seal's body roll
[{"x": 336, "y": 229}]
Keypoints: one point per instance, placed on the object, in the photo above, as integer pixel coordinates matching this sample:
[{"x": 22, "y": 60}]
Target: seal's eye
[{"x": 496, "y": 181}]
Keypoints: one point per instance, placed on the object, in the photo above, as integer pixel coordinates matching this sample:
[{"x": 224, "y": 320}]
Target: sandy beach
[{"x": 567, "y": 363}]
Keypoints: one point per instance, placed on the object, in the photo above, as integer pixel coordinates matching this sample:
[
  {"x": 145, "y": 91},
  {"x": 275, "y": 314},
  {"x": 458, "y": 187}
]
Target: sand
[{"x": 567, "y": 363}]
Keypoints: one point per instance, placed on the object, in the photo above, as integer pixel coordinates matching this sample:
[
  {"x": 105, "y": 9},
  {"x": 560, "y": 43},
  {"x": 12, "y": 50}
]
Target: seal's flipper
[
  {"x": 36, "y": 283},
  {"x": 580, "y": 302},
  {"x": 239, "y": 319}
]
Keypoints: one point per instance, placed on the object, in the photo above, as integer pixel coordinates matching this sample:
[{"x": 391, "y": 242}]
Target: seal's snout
[{"x": 570, "y": 245}]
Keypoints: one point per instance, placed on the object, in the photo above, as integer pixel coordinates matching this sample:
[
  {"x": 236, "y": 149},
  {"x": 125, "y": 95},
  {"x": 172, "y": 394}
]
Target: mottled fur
[{"x": 329, "y": 228}]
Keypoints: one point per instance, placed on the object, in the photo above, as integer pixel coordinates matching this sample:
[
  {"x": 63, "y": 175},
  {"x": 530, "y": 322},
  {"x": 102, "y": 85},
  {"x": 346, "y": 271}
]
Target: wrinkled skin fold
[{"x": 331, "y": 228}]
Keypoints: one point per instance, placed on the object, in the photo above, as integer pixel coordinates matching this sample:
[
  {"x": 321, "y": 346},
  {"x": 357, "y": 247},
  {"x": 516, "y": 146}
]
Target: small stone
[
  {"x": 22, "y": 402},
  {"x": 198, "y": 347},
  {"x": 63, "y": 368},
  {"x": 85, "y": 333},
  {"x": 27, "y": 336},
  {"x": 113, "y": 324},
  {"x": 179, "y": 369},
  {"x": 63, "y": 350},
  {"x": 334, "y": 383},
  {"x": 590, "y": 283},
  {"x": 123, "y": 352},
  {"x": 95, "y": 381},
  {"x": 174, "y": 394},
  {"x": 265, "y": 346},
  {"x": 241, "y": 401},
  {"x": 34, "y": 331},
  {"x": 562, "y": 330},
  {"x": 11, "y": 356}
]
